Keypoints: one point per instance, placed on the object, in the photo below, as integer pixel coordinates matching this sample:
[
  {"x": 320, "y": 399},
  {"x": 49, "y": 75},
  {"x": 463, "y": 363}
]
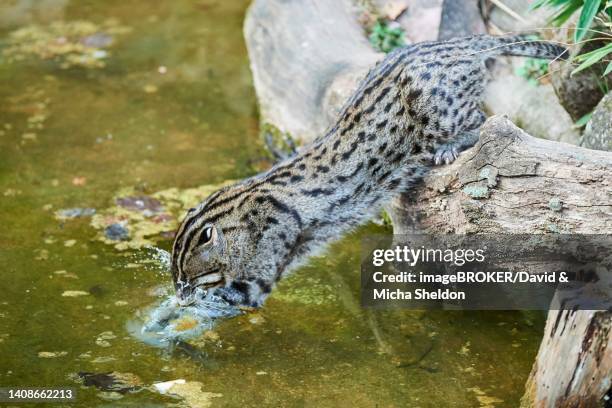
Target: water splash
[
  {"x": 168, "y": 322},
  {"x": 149, "y": 258},
  {"x": 160, "y": 257}
]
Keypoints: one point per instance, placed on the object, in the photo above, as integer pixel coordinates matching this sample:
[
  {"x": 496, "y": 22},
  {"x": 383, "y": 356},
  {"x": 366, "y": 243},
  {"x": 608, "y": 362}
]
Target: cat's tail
[{"x": 518, "y": 45}]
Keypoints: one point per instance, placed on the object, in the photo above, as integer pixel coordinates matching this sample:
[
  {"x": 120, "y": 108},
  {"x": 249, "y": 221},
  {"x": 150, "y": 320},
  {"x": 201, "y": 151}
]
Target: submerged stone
[{"x": 116, "y": 232}]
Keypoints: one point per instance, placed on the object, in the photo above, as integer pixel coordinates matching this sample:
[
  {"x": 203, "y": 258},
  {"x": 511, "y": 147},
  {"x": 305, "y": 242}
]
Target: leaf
[
  {"x": 590, "y": 58},
  {"x": 565, "y": 13},
  {"x": 537, "y": 4},
  {"x": 608, "y": 69},
  {"x": 584, "y": 120},
  {"x": 590, "y": 9},
  {"x": 550, "y": 3}
]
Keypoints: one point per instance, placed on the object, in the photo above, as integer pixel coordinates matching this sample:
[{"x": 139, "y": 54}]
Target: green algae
[
  {"x": 146, "y": 226},
  {"x": 68, "y": 43},
  {"x": 307, "y": 291}
]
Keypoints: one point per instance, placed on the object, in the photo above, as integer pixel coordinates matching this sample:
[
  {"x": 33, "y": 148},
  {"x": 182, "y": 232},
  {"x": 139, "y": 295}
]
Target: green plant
[
  {"x": 567, "y": 8},
  {"x": 589, "y": 12},
  {"x": 584, "y": 120},
  {"x": 587, "y": 59},
  {"x": 386, "y": 36},
  {"x": 533, "y": 69}
]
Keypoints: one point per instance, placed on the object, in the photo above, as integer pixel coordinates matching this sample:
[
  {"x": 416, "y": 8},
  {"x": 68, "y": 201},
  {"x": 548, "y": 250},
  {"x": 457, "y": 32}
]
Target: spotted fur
[{"x": 419, "y": 106}]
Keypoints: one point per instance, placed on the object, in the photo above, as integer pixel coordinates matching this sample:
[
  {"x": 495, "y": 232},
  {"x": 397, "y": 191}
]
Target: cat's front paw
[{"x": 446, "y": 154}]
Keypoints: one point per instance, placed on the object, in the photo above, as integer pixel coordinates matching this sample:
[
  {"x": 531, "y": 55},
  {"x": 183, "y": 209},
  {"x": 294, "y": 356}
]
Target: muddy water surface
[{"x": 159, "y": 95}]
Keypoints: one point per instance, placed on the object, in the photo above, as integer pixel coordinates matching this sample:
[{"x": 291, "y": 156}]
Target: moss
[
  {"x": 534, "y": 70},
  {"x": 386, "y": 219},
  {"x": 387, "y": 36},
  {"x": 279, "y": 144},
  {"x": 555, "y": 204},
  {"x": 490, "y": 174},
  {"x": 476, "y": 191}
]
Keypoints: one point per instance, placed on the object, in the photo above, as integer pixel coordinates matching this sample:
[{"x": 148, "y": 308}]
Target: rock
[
  {"x": 334, "y": 53},
  {"x": 598, "y": 132},
  {"x": 391, "y": 9},
  {"x": 581, "y": 92},
  {"x": 460, "y": 18},
  {"x": 421, "y": 20},
  {"x": 533, "y": 108},
  {"x": 116, "y": 232},
  {"x": 516, "y": 16}
]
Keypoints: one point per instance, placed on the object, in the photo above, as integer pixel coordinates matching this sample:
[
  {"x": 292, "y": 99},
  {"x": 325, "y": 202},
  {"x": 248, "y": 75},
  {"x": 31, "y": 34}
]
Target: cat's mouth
[
  {"x": 189, "y": 295},
  {"x": 197, "y": 287}
]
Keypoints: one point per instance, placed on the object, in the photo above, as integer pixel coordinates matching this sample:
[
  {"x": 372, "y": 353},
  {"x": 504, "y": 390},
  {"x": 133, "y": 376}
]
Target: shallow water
[{"x": 194, "y": 122}]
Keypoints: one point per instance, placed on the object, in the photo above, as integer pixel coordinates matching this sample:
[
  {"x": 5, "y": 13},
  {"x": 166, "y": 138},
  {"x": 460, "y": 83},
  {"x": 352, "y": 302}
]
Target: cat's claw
[{"x": 446, "y": 154}]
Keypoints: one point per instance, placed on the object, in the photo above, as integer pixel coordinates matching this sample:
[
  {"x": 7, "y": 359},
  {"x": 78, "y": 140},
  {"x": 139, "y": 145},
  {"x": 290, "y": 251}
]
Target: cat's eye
[{"x": 206, "y": 235}]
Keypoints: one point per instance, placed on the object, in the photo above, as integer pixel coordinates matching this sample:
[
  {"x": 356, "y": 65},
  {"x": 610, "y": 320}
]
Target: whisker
[{"x": 211, "y": 271}]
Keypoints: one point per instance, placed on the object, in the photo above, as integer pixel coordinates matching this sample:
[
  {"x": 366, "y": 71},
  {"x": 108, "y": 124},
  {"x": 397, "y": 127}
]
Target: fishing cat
[{"x": 418, "y": 107}]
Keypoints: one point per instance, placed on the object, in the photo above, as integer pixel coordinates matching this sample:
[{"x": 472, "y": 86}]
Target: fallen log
[{"x": 307, "y": 57}]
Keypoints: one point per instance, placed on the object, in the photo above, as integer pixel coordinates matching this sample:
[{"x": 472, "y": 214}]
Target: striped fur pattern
[{"x": 417, "y": 107}]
